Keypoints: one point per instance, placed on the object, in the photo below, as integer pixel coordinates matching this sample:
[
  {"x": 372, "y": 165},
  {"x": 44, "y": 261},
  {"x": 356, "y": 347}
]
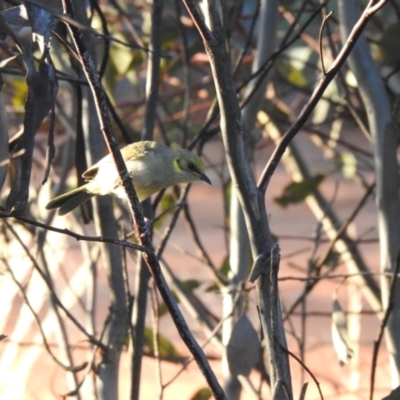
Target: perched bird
[{"x": 152, "y": 166}]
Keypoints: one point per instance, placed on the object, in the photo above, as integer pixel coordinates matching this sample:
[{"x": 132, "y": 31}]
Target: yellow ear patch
[{"x": 177, "y": 166}]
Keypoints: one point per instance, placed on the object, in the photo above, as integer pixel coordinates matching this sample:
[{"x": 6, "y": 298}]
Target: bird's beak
[{"x": 204, "y": 178}]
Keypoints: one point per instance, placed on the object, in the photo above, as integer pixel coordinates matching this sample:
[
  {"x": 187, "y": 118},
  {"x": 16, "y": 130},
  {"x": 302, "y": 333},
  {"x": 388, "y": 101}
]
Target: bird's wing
[{"x": 135, "y": 151}]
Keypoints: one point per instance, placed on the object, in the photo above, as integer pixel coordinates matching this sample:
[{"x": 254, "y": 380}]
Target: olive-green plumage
[{"x": 153, "y": 166}]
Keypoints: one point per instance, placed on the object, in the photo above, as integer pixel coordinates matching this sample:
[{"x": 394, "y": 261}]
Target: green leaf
[
  {"x": 212, "y": 288},
  {"x": 120, "y": 55},
  {"x": 225, "y": 267},
  {"x": 20, "y": 91},
  {"x": 190, "y": 285},
  {"x": 202, "y": 394},
  {"x": 296, "y": 192},
  {"x": 165, "y": 347},
  {"x": 167, "y": 203},
  {"x": 292, "y": 73}
]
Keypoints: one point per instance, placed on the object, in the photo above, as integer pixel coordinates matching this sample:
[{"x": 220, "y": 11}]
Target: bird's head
[{"x": 190, "y": 166}]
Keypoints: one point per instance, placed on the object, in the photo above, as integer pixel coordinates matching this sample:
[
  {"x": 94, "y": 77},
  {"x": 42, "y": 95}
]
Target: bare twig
[
  {"x": 269, "y": 169},
  {"x": 204, "y": 255},
  {"x": 50, "y": 287},
  {"x": 156, "y": 333},
  {"x": 251, "y": 198},
  {"x": 378, "y": 340},
  {"x": 22, "y": 291},
  {"x": 339, "y": 233},
  {"x": 308, "y": 370},
  {"x": 321, "y": 32},
  {"x": 136, "y": 209},
  {"x": 142, "y": 270},
  {"x": 77, "y": 236}
]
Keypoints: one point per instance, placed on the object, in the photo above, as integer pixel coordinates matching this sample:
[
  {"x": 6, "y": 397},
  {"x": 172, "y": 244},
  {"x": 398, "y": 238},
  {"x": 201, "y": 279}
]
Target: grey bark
[{"x": 384, "y": 144}]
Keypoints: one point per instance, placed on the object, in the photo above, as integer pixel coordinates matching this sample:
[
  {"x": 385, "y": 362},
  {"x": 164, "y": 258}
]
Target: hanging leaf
[
  {"x": 225, "y": 267},
  {"x": 340, "y": 337},
  {"x": 165, "y": 347},
  {"x": 190, "y": 285},
  {"x": 120, "y": 57},
  {"x": 167, "y": 203},
  {"x": 212, "y": 288},
  {"x": 296, "y": 192},
  {"x": 202, "y": 394},
  {"x": 243, "y": 350}
]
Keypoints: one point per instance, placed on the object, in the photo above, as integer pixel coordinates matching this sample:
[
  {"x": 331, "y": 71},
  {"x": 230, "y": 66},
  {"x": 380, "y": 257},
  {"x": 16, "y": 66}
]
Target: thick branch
[{"x": 136, "y": 210}]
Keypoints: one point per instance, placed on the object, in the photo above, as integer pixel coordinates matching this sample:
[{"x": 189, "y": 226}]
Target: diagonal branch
[
  {"x": 135, "y": 208},
  {"x": 373, "y": 7}
]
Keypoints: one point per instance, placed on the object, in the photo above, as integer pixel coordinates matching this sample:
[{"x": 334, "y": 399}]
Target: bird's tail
[{"x": 68, "y": 201}]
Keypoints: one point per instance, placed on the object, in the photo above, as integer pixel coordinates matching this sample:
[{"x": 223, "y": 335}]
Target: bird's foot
[{"x": 147, "y": 227}]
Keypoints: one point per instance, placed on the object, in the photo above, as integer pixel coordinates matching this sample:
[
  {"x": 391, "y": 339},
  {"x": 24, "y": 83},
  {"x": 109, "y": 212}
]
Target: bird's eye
[{"x": 192, "y": 167}]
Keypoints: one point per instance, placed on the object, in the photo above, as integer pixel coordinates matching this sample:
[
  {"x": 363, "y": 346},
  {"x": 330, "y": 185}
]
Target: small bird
[{"x": 152, "y": 166}]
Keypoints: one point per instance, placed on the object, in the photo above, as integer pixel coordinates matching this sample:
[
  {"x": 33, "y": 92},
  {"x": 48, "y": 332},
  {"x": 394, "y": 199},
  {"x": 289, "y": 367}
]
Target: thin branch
[
  {"x": 213, "y": 334},
  {"x": 106, "y": 50},
  {"x": 186, "y": 74},
  {"x": 382, "y": 327},
  {"x": 268, "y": 64},
  {"x": 49, "y": 286},
  {"x": 172, "y": 224},
  {"x": 77, "y": 236},
  {"x": 334, "y": 276},
  {"x": 247, "y": 45},
  {"x": 156, "y": 337},
  {"x": 317, "y": 94},
  {"x": 308, "y": 370},
  {"x": 136, "y": 209},
  {"x": 321, "y": 32},
  {"x": 76, "y": 24},
  {"x": 22, "y": 291},
  {"x": 204, "y": 255},
  {"x": 198, "y": 20},
  {"x": 339, "y": 233},
  {"x": 281, "y": 384}
]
